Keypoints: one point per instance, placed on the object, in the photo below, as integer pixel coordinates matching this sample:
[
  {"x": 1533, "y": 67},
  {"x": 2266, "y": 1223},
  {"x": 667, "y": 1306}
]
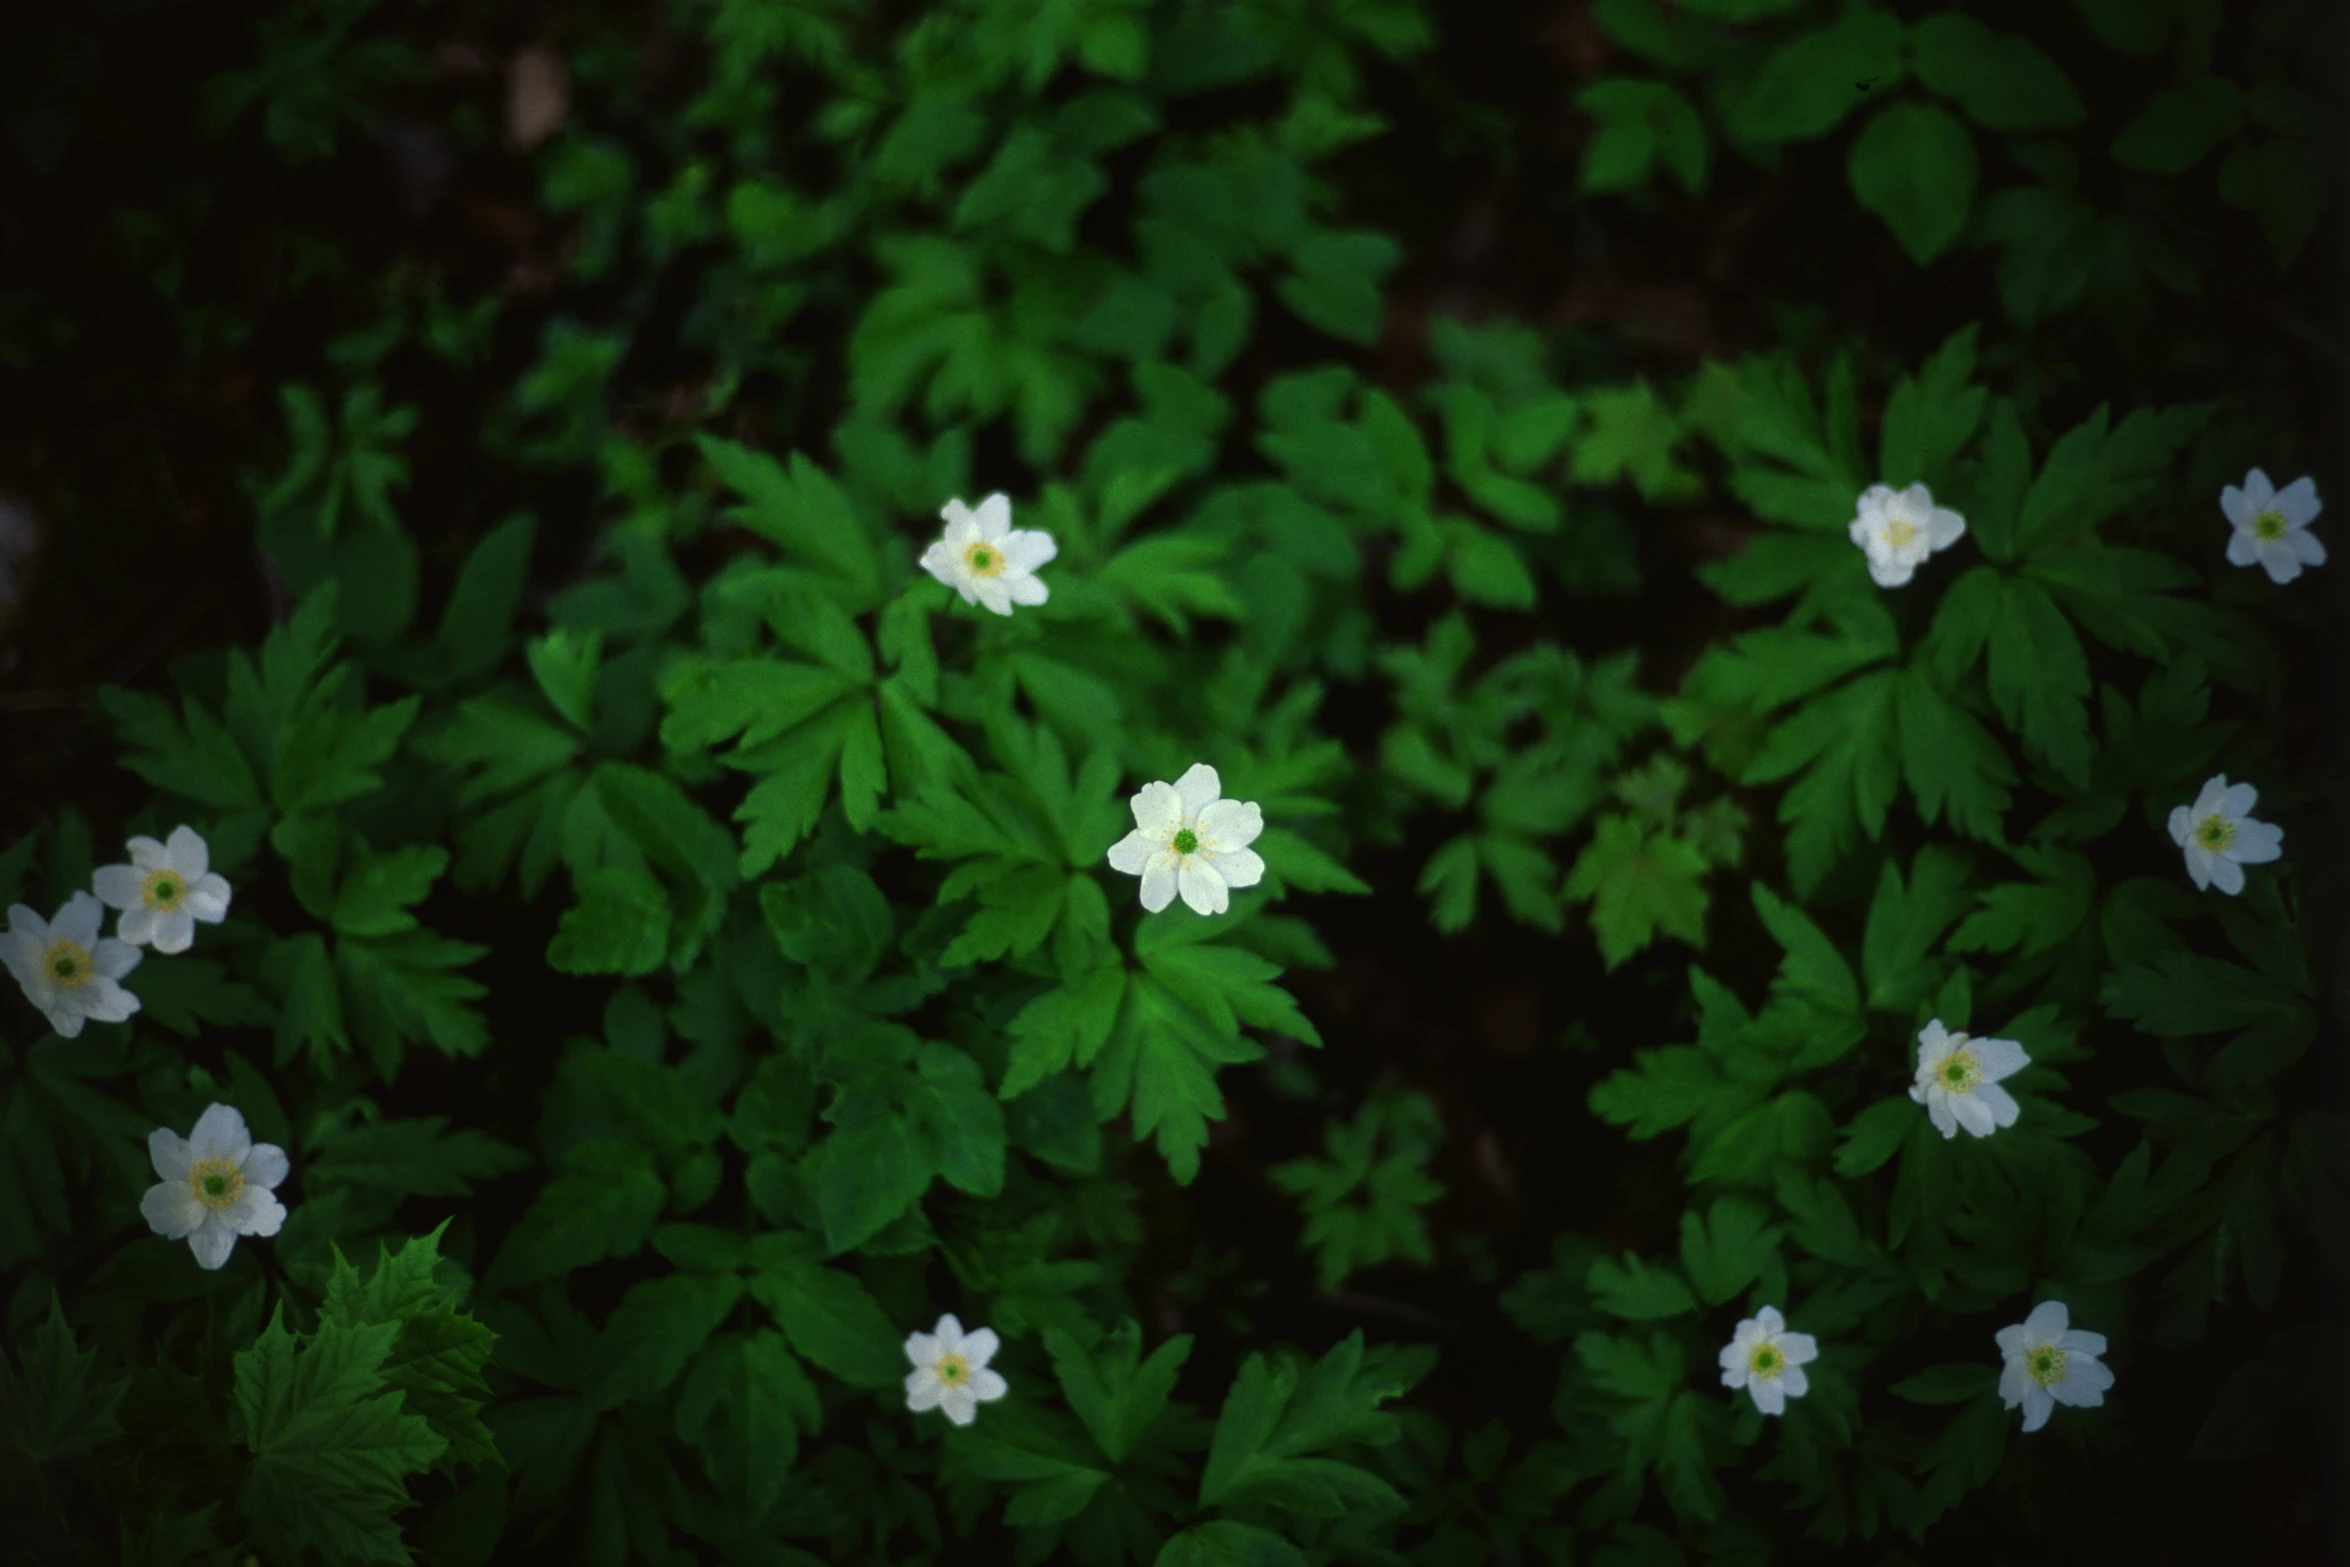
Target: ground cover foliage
[{"x": 479, "y": 459}]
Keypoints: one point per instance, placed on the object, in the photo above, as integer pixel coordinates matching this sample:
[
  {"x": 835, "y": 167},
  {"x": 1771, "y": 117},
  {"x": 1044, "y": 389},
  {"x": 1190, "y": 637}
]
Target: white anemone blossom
[
  {"x": 2272, "y": 525},
  {"x": 65, "y": 969},
  {"x": 215, "y": 1187},
  {"x": 164, "y": 890},
  {"x": 1767, "y": 1360},
  {"x": 1188, "y": 839},
  {"x": 1958, "y": 1080},
  {"x": 1898, "y": 529},
  {"x": 2220, "y": 836},
  {"x": 950, "y": 1371},
  {"x": 986, "y": 559},
  {"x": 2049, "y": 1363}
]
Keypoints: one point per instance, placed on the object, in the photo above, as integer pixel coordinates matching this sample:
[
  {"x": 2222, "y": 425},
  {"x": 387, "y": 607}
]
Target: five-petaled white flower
[
  {"x": 65, "y": 969},
  {"x": 986, "y": 559},
  {"x": 164, "y": 890},
  {"x": 2272, "y": 525},
  {"x": 950, "y": 1371},
  {"x": 1767, "y": 1360},
  {"x": 2049, "y": 1364},
  {"x": 1958, "y": 1080},
  {"x": 1186, "y": 838},
  {"x": 2220, "y": 837},
  {"x": 215, "y": 1187},
  {"x": 1899, "y": 528}
]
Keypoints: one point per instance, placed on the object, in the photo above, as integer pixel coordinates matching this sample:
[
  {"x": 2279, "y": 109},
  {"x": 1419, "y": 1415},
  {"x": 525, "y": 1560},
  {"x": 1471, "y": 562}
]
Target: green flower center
[
  {"x": 1900, "y": 534},
  {"x": 2215, "y": 832},
  {"x": 68, "y": 963},
  {"x": 2046, "y": 1365},
  {"x": 1765, "y": 1362},
  {"x": 984, "y": 561},
  {"x": 2270, "y": 525},
  {"x": 216, "y": 1182},
  {"x": 1961, "y": 1072},
  {"x": 1186, "y": 841},
  {"x": 163, "y": 889},
  {"x": 952, "y": 1369}
]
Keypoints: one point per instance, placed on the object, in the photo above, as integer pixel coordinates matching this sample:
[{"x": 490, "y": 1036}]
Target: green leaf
[
  {"x": 1065, "y": 1026},
  {"x": 866, "y": 1176},
  {"x": 2039, "y": 679},
  {"x": 1220, "y": 1542},
  {"x": 2003, "y": 81},
  {"x": 744, "y": 1407},
  {"x": 1905, "y": 923},
  {"x": 374, "y": 897},
  {"x": 1640, "y": 883},
  {"x": 436, "y": 1362},
  {"x": 602, "y": 1205},
  {"x": 1728, "y": 1249},
  {"x": 1663, "y": 1089},
  {"x": 1641, "y": 122},
  {"x": 53, "y": 1404},
  {"x": 1632, "y": 1289},
  {"x": 830, "y": 1317},
  {"x": 1953, "y": 764},
  {"x": 1951, "y": 1384},
  {"x": 800, "y": 510},
  {"x": 2029, "y": 918},
  {"x": 658, "y": 1326},
  {"x": 1812, "y": 968},
  {"x": 1279, "y": 1425},
  {"x": 1113, "y": 1389},
  {"x": 1806, "y": 87},
  {"x": 2284, "y": 183},
  {"x": 191, "y": 756},
  {"x": 1931, "y": 416},
  {"x": 331, "y": 1446},
  {"x": 1875, "y": 1135},
  {"x": 2180, "y": 126},
  {"x": 1914, "y": 166},
  {"x": 564, "y": 663},
  {"x": 2092, "y": 474},
  {"x": 188, "y": 993},
  {"x": 1335, "y": 281}
]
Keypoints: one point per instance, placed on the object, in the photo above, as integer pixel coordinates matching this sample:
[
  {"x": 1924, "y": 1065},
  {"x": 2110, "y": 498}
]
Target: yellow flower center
[
  {"x": 1766, "y": 1361},
  {"x": 2046, "y": 1364},
  {"x": 2215, "y": 832},
  {"x": 952, "y": 1370},
  {"x": 2270, "y": 525},
  {"x": 1186, "y": 841},
  {"x": 984, "y": 560},
  {"x": 215, "y": 1182},
  {"x": 163, "y": 890},
  {"x": 1899, "y": 534},
  {"x": 68, "y": 964},
  {"x": 1961, "y": 1072}
]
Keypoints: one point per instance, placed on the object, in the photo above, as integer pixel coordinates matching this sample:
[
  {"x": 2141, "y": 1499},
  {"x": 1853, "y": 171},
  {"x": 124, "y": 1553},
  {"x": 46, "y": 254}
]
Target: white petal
[
  {"x": 79, "y": 920},
  {"x": 1971, "y": 1112},
  {"x": 1801, "y": 1349},
  {"x": 2013, "y": 1340},
  {"x": 991, "y": 593},
  {"x": 1197, "y": 789},
  {"x": 979, "y": 1348},
  {"x": 169, "y": 1153},
  {"x": 1768, "y": 1396},
  {"x": 212, "y": 1241},
  {"x": 173, "y": 931},
  {"x": 2037, "y": 1405},
  {"x": 220, "y": 1134},
  {"x": 1158, "y": 883},
  {"x": 111, "y": 959},
  {"x": 988, "y": 1386},
  {"x": 2182, "y": 822},
  {"x": 117, "y": 886},
  {"x": 1938, "y": 1111},
  {"x": 2215, "y": 789},
  {"x": 2239, "y": 800},
  {"x": 950, "y": 1334},
  {"x": 1934, "y": 1043},
  {"x": 1240, "y": 867},
  {"x": 2306, "y": 546},
  {"x": 962, "y": 527},
  {"x": 1891, "y": 573},
  {"x": 2074, "y": 1341},
  {"x": 1026, "y": 590},
  {"x": 22, "y": 954},
  {"x": 2013, "y": 1377},
  {"x": 939, "y": 561},
  {"x": 1231, "y": 824},
  {"x": 922, "y": 1348},
  {"x": 1733, "y": 1370},
  {"x": 1999, "y": 1058},
  {"x": 265, "y": 1166},
  {"x": 186, "y": 853},
  {"x": 1945, "y": 529},
  {"x": 103, "y": 1001},
  {"x": 994, "y": 517},
  {"x": 923, "y": 1390},
  {"x": 1158, "y": 809},
  {"x": 2200, "y": 864},
  {"x": 1025, "y": 549},
  {"x": 146, "y": 853},
  {"x": 2258, "y": 492},
  {"x": 1201, "y": 887},
  {"x": 2085, "y": 1382},
  {"x": 2299, "y": 502},
  {"x": 960, "y": 1406},
  {"x": 1769, "y": 1322},
  {"x": 2227, "y": 876},
  {"x": 2047, "y": 1322},
  {"x": 208, "y": 898},
  {"x": 2256, "y": 843},
  {"x": 171, "y": 1210},
  {"x": 65, "y": 1019},
  {"x": 137, "y": 926},
  {"x": 1133, "y": 853},
  {"x": 1794, "y": 1381},
  {"x": 2243, "y": 548},
  {"x": 1998, "y": 1103},
  {"x": 254, "y": 1211}
]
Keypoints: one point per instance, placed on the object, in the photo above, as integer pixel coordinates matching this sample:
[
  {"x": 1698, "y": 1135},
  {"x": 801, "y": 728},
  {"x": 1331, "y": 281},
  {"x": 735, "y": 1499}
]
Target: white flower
[
  {"x": 215, "y": 1187},
  {"x": 1186, "y": 838},
  {"x": 2220, "y": 837},
  {"x": 1767, "y": 1360},
  {"x": 1900, "y": 528},
  {"x": 986, "y": 559},
  {"x": 2272, "y": 525},
  {"x": 65, "y": 969},
  {"x": 950, "y": 1371},
  {"x": 1958, "y": 1080},
  {"x": 2049, "y": 1364},
  {"x": 164, "y": 890}
]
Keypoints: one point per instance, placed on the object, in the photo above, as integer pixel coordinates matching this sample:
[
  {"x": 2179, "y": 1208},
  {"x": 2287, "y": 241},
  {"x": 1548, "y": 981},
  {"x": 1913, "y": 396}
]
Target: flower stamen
[
  {"x": 2271, "y": 525},
  {"x": 1766, "y": 1361},
  {"x": 984, "y": 560},
  {"x": 163, "y": 890},
  {"x": 2046, "y": 1365},
  {"x": 952, "y": 1369},
  {"x": 1186, "y": 841},
  {"x": 2215, "y": 832},
  {"x": 68, "y": 964},
  {"x": 215, "y": 1182}
]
